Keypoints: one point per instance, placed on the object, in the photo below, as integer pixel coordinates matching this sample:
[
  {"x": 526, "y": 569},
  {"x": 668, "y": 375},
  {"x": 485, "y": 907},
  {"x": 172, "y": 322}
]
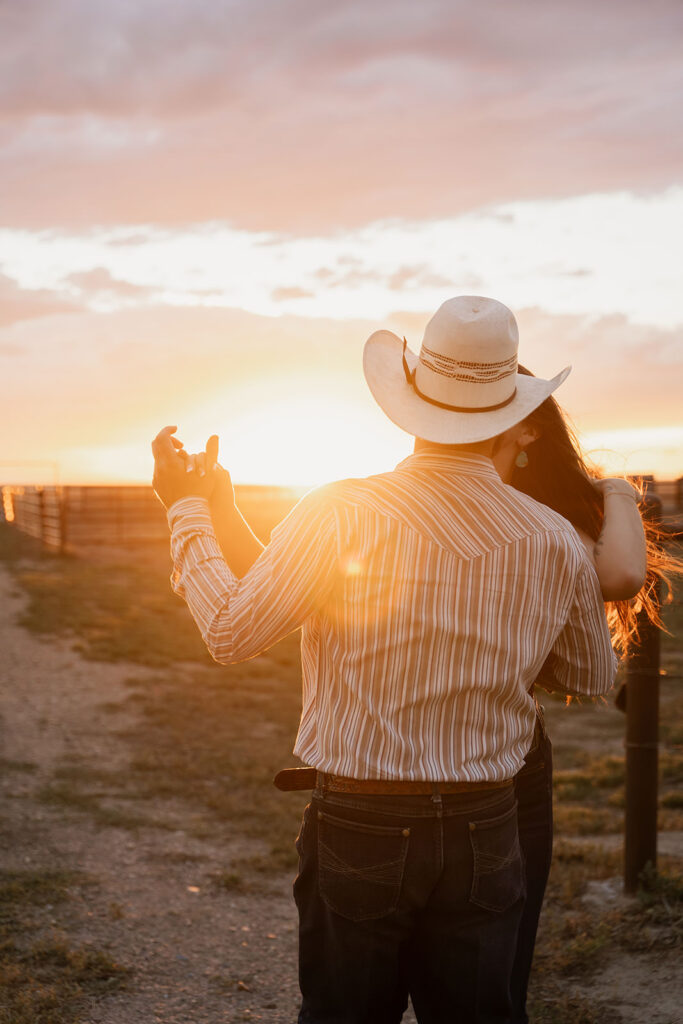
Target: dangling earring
[{"x": 522, "y": 459}]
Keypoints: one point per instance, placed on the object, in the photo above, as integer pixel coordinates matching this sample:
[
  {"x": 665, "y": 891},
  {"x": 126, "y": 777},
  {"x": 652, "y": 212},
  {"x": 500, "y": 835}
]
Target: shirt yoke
[{"x": 467, "y": 516}]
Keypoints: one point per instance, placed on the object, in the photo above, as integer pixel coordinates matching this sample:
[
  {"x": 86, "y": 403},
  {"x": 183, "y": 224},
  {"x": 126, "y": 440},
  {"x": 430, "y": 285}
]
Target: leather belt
[
  {"x": 308, "y": 778},
  {"x": 398, "y": 787}
]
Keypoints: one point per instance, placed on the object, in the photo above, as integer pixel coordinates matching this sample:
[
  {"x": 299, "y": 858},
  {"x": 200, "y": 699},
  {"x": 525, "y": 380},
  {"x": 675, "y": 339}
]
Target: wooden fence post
[
  {"x": 63, "y": 519},
  {"x": 41, "y": 511}
]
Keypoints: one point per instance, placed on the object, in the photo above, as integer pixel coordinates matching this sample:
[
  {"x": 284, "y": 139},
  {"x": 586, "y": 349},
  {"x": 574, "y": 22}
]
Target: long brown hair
[{"x": 559, "y": 476}]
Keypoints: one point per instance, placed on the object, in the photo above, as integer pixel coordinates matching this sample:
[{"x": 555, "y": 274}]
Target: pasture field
[{"x": 125, "y": 745}]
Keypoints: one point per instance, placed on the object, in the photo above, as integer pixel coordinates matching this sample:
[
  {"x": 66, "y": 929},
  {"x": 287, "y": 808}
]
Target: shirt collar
[{"x": 461, "y": 463}]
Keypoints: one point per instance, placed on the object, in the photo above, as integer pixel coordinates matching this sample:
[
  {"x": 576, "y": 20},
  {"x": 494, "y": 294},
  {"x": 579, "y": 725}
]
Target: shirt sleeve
[
  {"x": 240, "y": 618},
  {"x": 582, "y": 661}
]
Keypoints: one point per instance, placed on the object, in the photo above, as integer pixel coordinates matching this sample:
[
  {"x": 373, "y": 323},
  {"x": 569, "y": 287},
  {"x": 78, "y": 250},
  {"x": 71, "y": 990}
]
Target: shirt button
[
  {"x": 405, "y": 832},
  {"x": 472, "y": 826}
]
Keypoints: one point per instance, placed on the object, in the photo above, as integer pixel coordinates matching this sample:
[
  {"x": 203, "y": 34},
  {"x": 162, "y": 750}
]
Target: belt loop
[
  {"x": 540, "y": 712},
  {"x": 436, "y": 800}
]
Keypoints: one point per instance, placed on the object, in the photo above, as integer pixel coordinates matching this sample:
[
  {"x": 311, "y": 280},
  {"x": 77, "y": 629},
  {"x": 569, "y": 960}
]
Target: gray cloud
[{"x": 300, "y": 115}]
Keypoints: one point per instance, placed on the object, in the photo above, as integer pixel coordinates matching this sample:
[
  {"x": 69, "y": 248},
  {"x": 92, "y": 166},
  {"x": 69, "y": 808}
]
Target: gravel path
[{"x": 199, "y": 954}]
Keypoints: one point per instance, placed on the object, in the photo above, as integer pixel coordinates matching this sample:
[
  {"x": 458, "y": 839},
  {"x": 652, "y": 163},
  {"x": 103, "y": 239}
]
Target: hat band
[{"x": 410, "y": 377}]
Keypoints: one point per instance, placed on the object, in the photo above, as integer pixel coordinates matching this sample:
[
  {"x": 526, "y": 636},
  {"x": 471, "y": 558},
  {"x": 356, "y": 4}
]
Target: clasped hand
[{"x": 178, "y": 474}]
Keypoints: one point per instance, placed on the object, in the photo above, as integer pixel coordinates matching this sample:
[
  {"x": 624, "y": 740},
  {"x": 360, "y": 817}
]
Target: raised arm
[
  {"x": 282, "y": 584},
  {"x": 619, "y": 554},
  {"x": 288, "y": 582},
  {"x": 240, "y": 546}
]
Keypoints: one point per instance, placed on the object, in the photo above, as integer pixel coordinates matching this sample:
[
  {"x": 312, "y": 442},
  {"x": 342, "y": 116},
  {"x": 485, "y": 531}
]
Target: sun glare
[
  {"x": 296, "y": 429},
  {"x": 309, "y": 440}
]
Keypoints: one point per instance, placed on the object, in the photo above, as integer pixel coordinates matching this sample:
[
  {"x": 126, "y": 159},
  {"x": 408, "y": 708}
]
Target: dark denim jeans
[
  {"x": 534, "y": 791},
  {"x": 402, "y": 895}
]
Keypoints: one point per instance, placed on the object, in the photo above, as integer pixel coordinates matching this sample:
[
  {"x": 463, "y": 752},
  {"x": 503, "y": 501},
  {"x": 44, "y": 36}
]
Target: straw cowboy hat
[{"x": 464, "y": 386}]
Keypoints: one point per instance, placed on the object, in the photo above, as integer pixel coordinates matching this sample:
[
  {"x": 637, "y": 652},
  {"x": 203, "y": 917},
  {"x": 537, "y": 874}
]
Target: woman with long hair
[{"x": 542, "y": 457}]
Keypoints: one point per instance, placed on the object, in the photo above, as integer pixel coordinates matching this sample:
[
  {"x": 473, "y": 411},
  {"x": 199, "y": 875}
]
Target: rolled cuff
[{"x": 195, "y": 507}]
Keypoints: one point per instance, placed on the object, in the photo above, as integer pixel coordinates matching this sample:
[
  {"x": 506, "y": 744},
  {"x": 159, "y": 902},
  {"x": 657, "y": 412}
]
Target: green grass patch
[
  {"x": 43, "y": 979},
  {"x": 177, "y": 857},
  {"x": 32, "y": 888},
  {"x": 51, "y": 983},
  {"x": 16, "y": 546},
  {"x": 672, "y": 800},
  {"x": 671, "y": 767},
  {"x": 115, "y": 611},
  {"x": 106, "y": 816},
  {"x": 576, "y": 938},
  {"x": 234, "y": 881},
  {"x": 574, "y": 865},
  {"x": 576, "y": 948},
  {"x": 7, "y": 766},
  {"x": 655, "y": 922},
  {"x": 585, "y": 820},
  {"x": 555, "y": 1006}
]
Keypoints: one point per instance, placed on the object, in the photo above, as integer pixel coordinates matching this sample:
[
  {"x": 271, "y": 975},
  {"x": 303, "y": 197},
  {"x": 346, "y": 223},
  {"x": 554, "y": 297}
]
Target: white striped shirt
[{"x": 430, "y": 597}]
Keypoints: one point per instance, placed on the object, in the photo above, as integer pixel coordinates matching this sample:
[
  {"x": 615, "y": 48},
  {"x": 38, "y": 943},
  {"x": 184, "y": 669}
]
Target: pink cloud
[
  {"x": 18, "y": 304},
  {"x": 624, "y": 375},
  {"x": 99, "y": 365},
  {"x": 298, "y": 115},
  {"x": 285, "y": 294}
]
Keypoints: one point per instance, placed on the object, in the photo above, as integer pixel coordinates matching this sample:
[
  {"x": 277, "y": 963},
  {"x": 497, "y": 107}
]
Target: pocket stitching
[
  {"x": 366, "y": 828},
  {"x": 372, "y": 873},
  {"x": 487, "y": 863},
  {"x": 331, "y": 864}
]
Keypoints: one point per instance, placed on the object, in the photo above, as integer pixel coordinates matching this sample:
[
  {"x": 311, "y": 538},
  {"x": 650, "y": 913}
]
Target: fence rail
[{"x": 68, "y": 518}]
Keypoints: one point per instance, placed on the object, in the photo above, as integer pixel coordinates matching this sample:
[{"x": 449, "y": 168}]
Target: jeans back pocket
[
  {"x": 498, "y": 876},
  {"x": 360, "y": 866}
]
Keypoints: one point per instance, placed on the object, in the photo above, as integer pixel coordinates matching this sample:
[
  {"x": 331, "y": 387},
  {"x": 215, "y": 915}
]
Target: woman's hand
[{"x": 616, "y": 485}]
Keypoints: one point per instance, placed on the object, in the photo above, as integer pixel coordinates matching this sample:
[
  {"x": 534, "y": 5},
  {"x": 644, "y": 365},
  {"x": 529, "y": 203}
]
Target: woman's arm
[{"x": 619, "y": 554}]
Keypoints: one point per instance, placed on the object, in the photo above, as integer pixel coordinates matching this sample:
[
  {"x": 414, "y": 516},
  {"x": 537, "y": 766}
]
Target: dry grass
[
  {"x": 44, "y": 980},
  {"x": 114, "y": 611}
]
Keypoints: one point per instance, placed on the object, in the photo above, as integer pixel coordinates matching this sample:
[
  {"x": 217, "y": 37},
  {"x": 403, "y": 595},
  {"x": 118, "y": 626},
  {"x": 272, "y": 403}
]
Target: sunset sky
[{"x": 206, "y": 207}]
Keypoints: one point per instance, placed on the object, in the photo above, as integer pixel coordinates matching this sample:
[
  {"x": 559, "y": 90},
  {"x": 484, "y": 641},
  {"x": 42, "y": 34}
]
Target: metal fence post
[{"x": 642, "y": 742}]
